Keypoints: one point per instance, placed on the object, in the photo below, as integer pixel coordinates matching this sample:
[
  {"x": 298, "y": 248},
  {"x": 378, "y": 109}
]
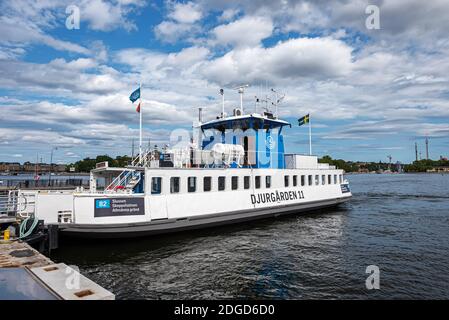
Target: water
[
  {"x": 19, "y": 284},
  {"x": 28, "y": 180},
  {"x": 398, "y": 222}
]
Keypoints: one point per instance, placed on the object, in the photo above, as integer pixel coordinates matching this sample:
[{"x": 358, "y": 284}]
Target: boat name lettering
[{"x": 276, "y": 197}]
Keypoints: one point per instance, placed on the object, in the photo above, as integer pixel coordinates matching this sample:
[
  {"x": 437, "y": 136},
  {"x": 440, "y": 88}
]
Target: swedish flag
[{"x": 303, "y": 120}]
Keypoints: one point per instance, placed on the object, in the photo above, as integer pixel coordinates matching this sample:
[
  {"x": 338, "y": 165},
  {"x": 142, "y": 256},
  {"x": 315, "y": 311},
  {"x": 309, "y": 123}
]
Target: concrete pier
[
  {"x": 15, "y": 254},
  {"x": 27, "y": 274}
]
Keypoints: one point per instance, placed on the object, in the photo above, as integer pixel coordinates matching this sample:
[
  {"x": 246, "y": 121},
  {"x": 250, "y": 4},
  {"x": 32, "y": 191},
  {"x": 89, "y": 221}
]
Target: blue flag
[{"x": 135, "y": 95}]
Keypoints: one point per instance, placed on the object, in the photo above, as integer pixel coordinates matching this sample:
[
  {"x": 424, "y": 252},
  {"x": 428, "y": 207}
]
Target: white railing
[
  {"x": 120, "y": 180},
  {"x": 142, "y": 161},
  {"x": 17, "y": 204},
  {"x": 9, "y": 203}
]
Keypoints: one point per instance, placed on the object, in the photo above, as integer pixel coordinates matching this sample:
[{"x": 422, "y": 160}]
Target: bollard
[{"x": 6, "y": 234}]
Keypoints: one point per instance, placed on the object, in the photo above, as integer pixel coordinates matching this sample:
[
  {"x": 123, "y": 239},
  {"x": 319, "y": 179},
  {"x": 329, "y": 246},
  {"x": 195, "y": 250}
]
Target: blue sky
[{"x": 370, "y": 92}]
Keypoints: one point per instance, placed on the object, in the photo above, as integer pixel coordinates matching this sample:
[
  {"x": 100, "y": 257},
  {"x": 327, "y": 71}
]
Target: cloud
[
  {"x": 246, "y": 32},
  {"x": 228, "y": 14},
  {"x": 318, "y": 58},
  {"x": 25, "y": 22},
  {"x": 356, "y": 83},
  {"x": 170, "y": 31},
  {"x": 105, "y": 16},
  {"x": 14, "y": 31},
  {"x": 59, "y": 75},
  {"x": 153, "y": 61},
  {"x": 180, "y": 24},
  {"x": 186, "y": 12}
]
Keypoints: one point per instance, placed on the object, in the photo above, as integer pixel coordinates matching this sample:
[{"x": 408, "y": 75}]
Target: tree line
[
  {"x": 88, "y": 164},
  {"x": 424, "y": 165}
]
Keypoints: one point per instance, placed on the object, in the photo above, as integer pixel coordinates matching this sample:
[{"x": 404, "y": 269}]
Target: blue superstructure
[{"x": 260, "y": 135}]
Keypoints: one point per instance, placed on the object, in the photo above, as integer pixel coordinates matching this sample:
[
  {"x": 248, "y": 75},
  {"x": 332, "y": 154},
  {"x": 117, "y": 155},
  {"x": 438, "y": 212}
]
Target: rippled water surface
[{"x": 398, "y": 222}]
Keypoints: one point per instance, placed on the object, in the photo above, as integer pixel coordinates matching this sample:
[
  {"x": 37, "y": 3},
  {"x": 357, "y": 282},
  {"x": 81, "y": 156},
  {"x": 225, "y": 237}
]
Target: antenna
[
  {"x": 222, "y": 102},
  {"x": 200, "y": 115},
  {"x": 277, "y": 101},
  {"x": 241, "y": 90},
  {"x": 256, "y": 103}
]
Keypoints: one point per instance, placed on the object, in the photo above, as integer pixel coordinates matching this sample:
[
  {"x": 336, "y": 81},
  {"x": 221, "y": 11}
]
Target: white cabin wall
[{"x": 184, "y": 204}]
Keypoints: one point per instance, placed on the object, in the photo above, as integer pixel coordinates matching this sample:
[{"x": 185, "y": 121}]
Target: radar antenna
[{"x": 241, "y": 90}]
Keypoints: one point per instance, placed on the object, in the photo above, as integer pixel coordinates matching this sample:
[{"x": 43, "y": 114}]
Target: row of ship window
[{"x": 305, "y": 180}]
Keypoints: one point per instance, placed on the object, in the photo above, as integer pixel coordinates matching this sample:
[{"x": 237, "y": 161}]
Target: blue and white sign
[
  {"x": 102, "y": 203},
  {"x": 130, "y": 206}
]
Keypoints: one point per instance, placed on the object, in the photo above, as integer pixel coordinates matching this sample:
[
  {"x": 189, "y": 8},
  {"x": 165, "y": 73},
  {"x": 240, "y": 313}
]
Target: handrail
[
  {"x": 119, "y": 179},
  {"x": 122, "y": 179}
]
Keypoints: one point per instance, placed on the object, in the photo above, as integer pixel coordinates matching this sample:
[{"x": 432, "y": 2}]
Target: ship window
[
  {"x": 221, "y": 183},
  {"x": 207, "y": 183},
  {"x": 295, "y": 180},
  {"x": 341, "y": 178},
  {"x": 156, "y": 185},
  {"x": 174, "y": 184},
  {"x": 268, "y": 181},
  {"x": 257, "y": 182},
  {"x": 329, "y": 179},
  {"x": 317, "y": 179},
  {"x": 335, "y": 178},
  {"x": 191, "y": 184},
  {"x": 246, "y": 182},
  {"x": 323, "y": 179},
  {"x": 310, "y": 180},
  {"x": 286, "y": 180},
  {"x": 303, "y": 180},
  {"x": 235, "y": 183}
]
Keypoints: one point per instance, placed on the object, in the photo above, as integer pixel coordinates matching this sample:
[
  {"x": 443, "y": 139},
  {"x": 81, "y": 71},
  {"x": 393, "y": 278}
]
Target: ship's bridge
[{"x": 259, "y": 134}]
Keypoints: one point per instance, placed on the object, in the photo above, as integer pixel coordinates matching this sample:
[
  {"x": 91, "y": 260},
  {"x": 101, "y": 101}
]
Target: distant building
[
  {"x": 28, "y": 167},
  {"x": 12, "y": 167},
  {"x": 439, "y": 169}
]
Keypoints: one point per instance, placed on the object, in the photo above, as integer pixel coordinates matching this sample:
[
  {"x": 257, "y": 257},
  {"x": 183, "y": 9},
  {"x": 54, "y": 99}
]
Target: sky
[{"x": 372, "y": 90}]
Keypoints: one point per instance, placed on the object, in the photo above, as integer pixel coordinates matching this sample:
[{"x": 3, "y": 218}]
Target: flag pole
[
  {"x": 310, "y": 136},
  {"x": 140, "y": 121}
]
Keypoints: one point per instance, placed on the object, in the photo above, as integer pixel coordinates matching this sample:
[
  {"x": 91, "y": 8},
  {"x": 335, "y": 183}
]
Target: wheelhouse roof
[{"x": 244, "y": 122}]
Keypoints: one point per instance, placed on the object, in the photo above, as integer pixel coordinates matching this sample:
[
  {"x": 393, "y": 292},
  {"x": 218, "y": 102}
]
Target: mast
[
  {"x": 140, "y": 123},
  {"x": 310, "y": 136},
  {"x": 416, "y": 151},
  {"x": 132, "y": 150},
  {"x": 241, "y": 90}
]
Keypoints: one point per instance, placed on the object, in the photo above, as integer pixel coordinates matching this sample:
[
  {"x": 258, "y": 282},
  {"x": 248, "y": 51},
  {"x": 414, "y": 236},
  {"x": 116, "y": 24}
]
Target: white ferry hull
[
  {"x": 121, "y": 214},
  {"x": 163, "y": 226}
]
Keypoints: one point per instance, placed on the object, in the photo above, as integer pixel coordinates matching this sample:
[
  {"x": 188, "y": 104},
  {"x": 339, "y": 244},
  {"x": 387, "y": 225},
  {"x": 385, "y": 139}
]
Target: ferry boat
[{"x": 233, "y": 170}]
